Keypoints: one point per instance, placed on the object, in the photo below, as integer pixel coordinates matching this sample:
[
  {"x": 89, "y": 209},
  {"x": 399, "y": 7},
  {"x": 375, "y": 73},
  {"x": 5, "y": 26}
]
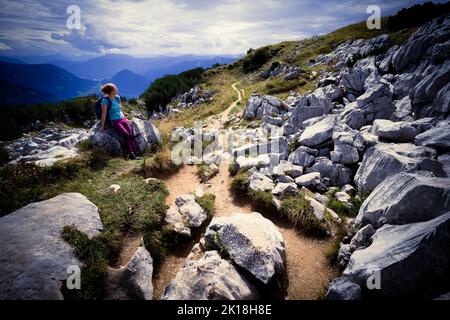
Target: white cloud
[
  {"x": 152, "y": 27},
  {"x": 4, "y": 47}
]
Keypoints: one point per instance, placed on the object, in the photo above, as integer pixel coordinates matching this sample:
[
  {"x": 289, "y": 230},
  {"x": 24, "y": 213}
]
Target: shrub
[
  {"x": 256, "y": 59},
  {"x": 207, "y": 202},
  {"x": 240, "y": 182},
  {"x": 417, "y": 15},
  {"x": 162, "y": 90},
  {"x": 298, "y": 210},
  {"x": 159, "y": 164}
]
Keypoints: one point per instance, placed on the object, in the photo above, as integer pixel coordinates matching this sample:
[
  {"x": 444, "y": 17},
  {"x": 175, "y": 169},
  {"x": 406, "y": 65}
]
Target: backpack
[{"x": 98, "y": 108}]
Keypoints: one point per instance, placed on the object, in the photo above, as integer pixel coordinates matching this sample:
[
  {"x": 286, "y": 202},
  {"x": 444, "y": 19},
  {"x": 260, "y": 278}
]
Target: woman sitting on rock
[{"x": 118, "y": 120}]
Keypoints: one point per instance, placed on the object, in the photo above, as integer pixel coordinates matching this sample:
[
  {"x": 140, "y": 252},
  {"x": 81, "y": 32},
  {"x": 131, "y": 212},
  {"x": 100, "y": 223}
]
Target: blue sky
[{"x": 155, "y": 27}]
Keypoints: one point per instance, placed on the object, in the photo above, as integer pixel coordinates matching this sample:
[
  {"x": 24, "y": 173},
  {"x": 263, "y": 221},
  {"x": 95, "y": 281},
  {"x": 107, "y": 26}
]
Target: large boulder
[
  {"x": 353, "y": 80},
  {"x": 132, "y": 281},
  {"x": 34, "y": 259},
  {"x": 437, "y": 137},
  {"x": 427, "y": 89},
  {"x": 375, "y": 103},
  {"x": 336, "y": 173},
  {"x": 303, "y": 156},
  {"x": 405, "y": 198},
  {"x": 209, "y": 278},
  {"x": 311, "y": 106},
  {"x": 253, "y": 243},
  {"x": 384, "y": 160},
  {"x": 318, "y": 133},
  {"x": 400, "y": 131},
  {"x": 146, "y": 136},
  {"x": 410, "y": 261}
]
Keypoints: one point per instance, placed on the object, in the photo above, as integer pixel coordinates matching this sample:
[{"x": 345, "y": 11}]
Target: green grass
[
  {"x": 282, "y": 86},
  {"x": 96, "y": 254},
  {"x": 240, "y": 182},
  {"x": 207, "y": 202},
  {"x": 263, "y": 198},
  {"x": 138, "y": 208},
  {"x": 343, "y": 209},
  {"x": 298, "y": 210}
]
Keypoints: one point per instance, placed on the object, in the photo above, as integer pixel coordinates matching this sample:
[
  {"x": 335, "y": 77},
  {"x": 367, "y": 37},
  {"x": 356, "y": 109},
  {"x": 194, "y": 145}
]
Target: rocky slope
[{"x": 378, "y": 121}]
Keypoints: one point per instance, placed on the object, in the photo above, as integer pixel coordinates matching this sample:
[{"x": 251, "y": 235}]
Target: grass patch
[
  {"x": 207, "y": 202},
  {"x": 298, "y": 210},
  {"x": 85, "y": 145},
  {"x": 159, "y": 164},
  {"x": 343, "y": 209},
  {"x": 282, "y": 86},
  {"x": 96, "y": 254},
  {"x": 263, "y": 198},
  {"x": 240, "y": 182}
]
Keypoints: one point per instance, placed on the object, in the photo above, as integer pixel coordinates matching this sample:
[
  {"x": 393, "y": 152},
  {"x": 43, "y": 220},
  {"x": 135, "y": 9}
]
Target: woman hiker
[{"x": 118, "y": 120}]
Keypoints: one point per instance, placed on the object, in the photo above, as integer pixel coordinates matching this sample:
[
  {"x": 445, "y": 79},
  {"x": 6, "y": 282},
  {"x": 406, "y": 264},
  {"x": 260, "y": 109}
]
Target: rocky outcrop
[
  {"x": 48, "y": 146},
  {"x": 210, "y": 278},
  {"x": 375, "y": 103},
  {"x": 260, "y": 105},
  {"x": 34, "y": 259},
  {"x": 333, "y": 174},
  {"x": 146, "y": 136},
  {"x": 405, "y": 198},
  {"x": 437, "y": 137}
]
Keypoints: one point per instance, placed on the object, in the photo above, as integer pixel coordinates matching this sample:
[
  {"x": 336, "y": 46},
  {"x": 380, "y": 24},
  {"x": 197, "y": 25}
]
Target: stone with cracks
[
  {"x": 209, "y": 278},
  {"x": 252, "y": 242},
  {"x": 33, "y": 256},
  {"x": 406, "y": 198}
]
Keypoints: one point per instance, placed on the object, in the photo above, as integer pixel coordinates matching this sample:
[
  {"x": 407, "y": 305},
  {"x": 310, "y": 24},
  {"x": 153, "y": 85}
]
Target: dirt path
[{"x": 308, "y": 269}]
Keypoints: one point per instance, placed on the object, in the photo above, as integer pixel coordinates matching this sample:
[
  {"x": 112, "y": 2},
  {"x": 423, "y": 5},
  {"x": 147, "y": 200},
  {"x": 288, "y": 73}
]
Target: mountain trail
[{"x": 308, "y": 269}]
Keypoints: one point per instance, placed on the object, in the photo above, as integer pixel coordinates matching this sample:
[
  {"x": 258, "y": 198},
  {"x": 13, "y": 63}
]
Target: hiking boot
[{"x": 134, "y": 157}]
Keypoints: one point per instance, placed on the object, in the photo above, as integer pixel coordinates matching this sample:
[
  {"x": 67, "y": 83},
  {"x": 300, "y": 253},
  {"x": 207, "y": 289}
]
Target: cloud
[
  {"x": 154, "y": 27},
  {"x": 88, "y": 38},
  {"x": 4, "y": 47}
]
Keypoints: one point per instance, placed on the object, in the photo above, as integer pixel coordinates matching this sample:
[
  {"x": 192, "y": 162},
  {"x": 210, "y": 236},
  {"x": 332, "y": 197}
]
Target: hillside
[
  {"x": 15, "y": 94},
  {"x": 312, "y": 169},
  {"x": 46, "y": 78}
]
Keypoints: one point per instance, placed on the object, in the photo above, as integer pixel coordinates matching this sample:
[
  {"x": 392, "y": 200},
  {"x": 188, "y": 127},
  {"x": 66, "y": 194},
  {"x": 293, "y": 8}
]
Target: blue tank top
[{"x": 115, "y": 112}]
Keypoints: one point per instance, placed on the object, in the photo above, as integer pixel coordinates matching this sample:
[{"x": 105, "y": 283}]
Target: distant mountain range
[
  {"x": 107, "y": 66},
  {"x": 130, "y": 84},
  {"x": 59, "y": 78},
  {"x": 46, "y": 78}
]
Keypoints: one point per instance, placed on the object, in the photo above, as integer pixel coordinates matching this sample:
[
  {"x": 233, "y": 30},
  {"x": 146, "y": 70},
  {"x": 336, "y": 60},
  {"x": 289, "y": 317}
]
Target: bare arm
[{"x": 103, "y": 119}]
